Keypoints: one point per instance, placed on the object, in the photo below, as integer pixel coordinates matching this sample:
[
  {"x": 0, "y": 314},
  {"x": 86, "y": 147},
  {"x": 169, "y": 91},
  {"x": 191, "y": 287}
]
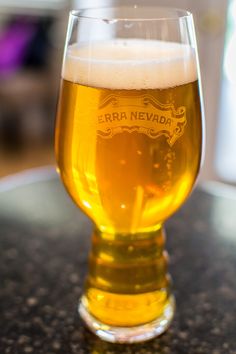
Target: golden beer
[{"x": 127, "y": 143}]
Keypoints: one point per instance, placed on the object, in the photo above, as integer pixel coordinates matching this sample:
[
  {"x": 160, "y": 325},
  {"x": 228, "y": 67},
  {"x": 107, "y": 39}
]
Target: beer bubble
[
  {"x": 156, "y": 165},
  {"x": 123, "y": 162}
]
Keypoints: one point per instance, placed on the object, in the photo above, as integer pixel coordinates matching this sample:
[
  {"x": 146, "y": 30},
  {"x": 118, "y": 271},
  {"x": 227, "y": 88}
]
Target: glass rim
[{"x": 180, "y": 13}]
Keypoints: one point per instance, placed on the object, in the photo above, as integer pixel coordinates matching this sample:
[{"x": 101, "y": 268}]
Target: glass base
[{"x": 129, "y": 334}]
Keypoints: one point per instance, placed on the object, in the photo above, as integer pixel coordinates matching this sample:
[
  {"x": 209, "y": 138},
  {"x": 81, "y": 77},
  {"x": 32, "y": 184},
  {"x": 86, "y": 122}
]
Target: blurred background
[{"x": 32, "y": 34}]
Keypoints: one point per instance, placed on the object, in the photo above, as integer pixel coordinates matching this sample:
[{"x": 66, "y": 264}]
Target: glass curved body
[{"x": 128, "y": 147}]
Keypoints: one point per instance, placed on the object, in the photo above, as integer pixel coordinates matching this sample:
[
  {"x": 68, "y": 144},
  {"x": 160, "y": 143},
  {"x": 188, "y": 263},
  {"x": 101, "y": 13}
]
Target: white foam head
[{"x": 130, "y": 64}]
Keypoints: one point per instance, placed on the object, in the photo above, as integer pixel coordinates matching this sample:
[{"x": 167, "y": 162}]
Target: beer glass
[{"x": 128, "y": 148}]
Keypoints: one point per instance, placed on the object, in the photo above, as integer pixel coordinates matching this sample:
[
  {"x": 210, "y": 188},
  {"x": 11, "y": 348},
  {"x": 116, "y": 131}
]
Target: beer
[{"x": 127, "y": 143}]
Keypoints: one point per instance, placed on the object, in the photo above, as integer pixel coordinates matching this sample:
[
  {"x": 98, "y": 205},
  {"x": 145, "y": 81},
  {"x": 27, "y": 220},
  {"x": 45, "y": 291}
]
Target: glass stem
[{"x": 128, "y": 284}]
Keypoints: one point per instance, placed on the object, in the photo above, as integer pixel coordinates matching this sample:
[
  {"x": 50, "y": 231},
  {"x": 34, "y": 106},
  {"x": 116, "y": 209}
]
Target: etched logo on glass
[{"x": 143, "y": 114}]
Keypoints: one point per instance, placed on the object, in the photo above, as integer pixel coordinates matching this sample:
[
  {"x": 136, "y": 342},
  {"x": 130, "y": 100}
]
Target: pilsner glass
[{"x": 128, "y": 147}]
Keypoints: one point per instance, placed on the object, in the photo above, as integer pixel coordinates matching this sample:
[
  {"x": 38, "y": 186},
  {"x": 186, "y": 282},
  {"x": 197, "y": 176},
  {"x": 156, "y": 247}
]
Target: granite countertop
[{"x": 44, "y": 241}]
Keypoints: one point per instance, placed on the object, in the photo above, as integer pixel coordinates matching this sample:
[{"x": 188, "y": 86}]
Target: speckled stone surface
[{"x": 44, "y": 241}]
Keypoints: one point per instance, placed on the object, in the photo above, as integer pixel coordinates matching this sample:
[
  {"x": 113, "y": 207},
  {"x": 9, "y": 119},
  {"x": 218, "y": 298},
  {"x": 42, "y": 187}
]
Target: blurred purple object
[{"x": 14, "y": 42}]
